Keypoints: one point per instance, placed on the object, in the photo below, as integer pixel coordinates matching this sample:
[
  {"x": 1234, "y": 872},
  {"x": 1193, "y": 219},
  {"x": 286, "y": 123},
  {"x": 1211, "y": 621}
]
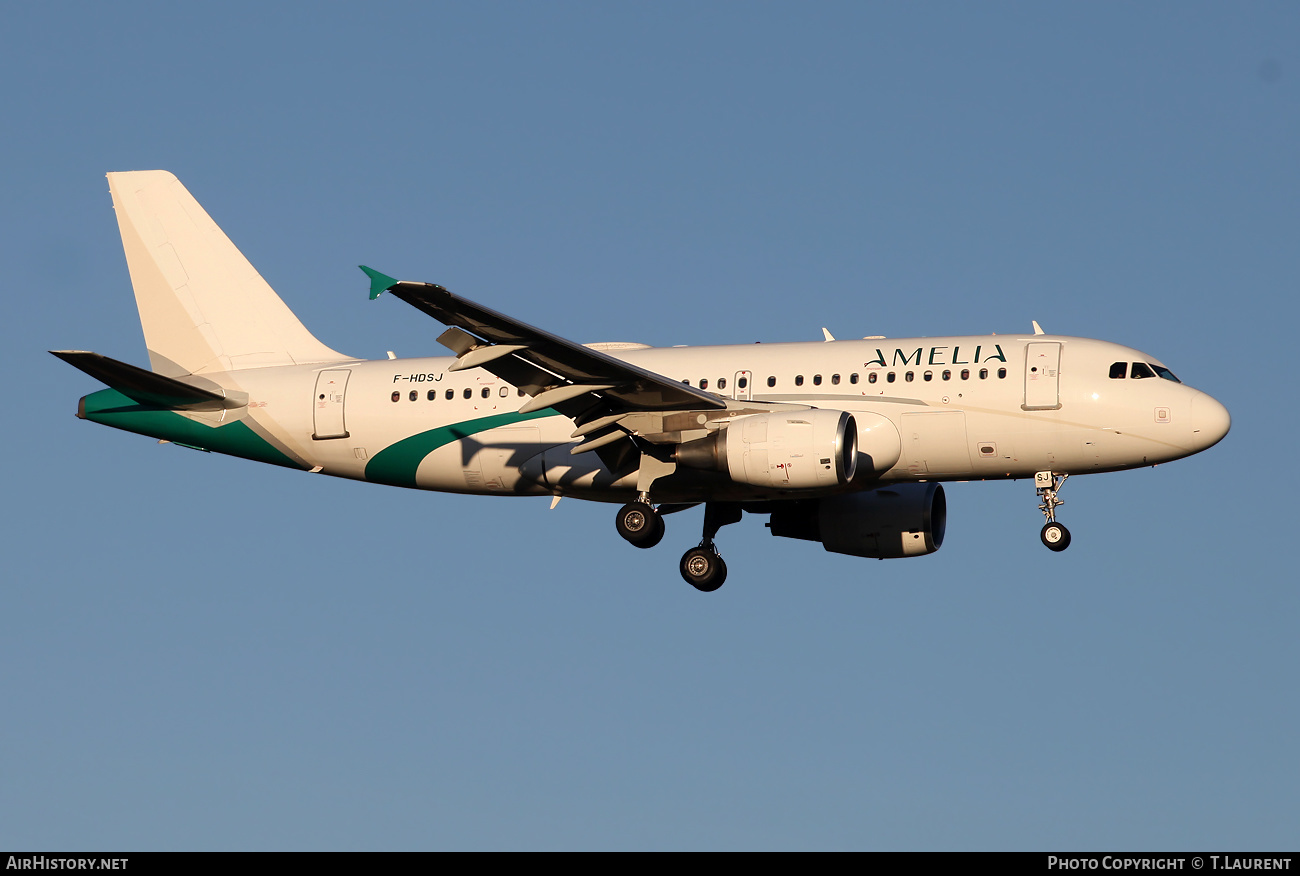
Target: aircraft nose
[{"x": 1210, "y": 421}]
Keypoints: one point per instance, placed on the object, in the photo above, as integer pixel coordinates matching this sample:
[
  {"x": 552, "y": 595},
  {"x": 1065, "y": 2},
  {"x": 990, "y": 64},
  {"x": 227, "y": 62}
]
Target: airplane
[{"x": 843, "y": 442}]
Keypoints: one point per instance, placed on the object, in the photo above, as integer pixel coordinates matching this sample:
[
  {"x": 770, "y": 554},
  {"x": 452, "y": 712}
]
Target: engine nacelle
[
  {"x": 879, "y": 444},
  {"x": 901, "y": 520},
  {"x": 787, "y": 450}
]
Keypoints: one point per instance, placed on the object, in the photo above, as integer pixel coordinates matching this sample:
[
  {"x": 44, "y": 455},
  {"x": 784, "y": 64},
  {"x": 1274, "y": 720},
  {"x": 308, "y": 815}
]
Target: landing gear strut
[
  {"x": 639, "y": 523},
  {"x": 702, "y": 566},
  {"x": 1048, "y": 484}
]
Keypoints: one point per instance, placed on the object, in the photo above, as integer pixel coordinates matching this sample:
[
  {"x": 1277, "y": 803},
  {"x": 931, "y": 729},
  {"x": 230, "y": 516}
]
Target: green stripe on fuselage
[
  {"x": 112, "y": 408},
  {"x": 396, "y": 464}
]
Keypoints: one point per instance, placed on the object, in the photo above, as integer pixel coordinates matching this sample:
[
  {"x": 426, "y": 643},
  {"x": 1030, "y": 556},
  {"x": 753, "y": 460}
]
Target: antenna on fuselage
[{"x": 1038, "y": 329}]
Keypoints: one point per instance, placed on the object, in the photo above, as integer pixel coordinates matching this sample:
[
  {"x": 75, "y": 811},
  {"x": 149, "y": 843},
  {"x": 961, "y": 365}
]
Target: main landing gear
[
  {"x": 1048, "y": 484},
  {"x": 639, "y": 523},
  {"x": 702, "y": 567}
]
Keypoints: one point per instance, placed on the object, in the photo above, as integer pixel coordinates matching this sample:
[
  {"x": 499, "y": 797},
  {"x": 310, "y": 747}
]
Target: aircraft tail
[{"x": 203, "y": 307}]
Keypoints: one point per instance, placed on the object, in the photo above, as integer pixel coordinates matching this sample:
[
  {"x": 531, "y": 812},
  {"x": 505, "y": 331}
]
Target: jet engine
[
  {"x": 901, "y": 520},
  {"x": 787, "y": 450},
  {"x": 879, "y": 444}
]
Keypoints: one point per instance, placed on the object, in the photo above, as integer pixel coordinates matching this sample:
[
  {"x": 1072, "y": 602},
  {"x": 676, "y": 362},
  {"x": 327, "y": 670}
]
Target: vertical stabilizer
[{"x": 203, "y": 307}]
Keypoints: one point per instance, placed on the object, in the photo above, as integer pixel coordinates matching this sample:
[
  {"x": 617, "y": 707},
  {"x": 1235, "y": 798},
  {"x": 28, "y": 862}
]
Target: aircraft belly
[
  {"x": 934, "y": 443},
  {"x": 585, "y": 476},
  {"x": 495, "y": 467},
  {"x": 558, "y": 471},
  {"x": 1057, "y": 450}
]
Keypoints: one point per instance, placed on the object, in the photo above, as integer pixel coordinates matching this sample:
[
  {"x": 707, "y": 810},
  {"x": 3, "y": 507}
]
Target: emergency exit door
[{"x": 743, "y": 386}]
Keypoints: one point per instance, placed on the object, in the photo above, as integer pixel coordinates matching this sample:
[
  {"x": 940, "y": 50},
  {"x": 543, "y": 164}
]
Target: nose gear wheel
[{"x": 1055, "y": 536}]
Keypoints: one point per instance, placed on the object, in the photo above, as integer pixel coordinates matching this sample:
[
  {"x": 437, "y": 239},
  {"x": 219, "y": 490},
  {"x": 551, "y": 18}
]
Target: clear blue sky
[{"x": 203, "y": 653}]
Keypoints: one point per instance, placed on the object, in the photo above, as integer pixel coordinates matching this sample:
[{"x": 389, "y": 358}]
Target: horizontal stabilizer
[{"x": 143, "y": 386}]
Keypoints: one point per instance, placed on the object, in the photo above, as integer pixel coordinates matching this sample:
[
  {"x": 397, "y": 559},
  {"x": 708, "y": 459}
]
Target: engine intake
[
  {"x": 903, "y": 520},
  {"x": 795, "y": 450}
]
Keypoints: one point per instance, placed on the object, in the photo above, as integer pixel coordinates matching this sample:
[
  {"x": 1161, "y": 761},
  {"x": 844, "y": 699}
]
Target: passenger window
[
  {"x": 835, "y": 380},
  {"x": 817, "y": 380},
  {"x": 1140, "y": 370},
  {"x": 984, "y": 373},
  {"x": 487, "y": 392},
  {"x": 469, "y": 393},
  {"x": 1118, "y": 370},
  {"x": 451, "y": 394},
  {"x": 1002, "y": 372},
  {"x": 722, "y": 383},
  {"x": 414, "y": 395},
  {"x": 798, "y": 380},
  {"x": 505, "y": 391},
  {"x": 704, "y": 384},
  {"x": 853, "y": 378},
  {"x": 397, "y": 396},
  {"x": 743, "y": 382},
  {"x": 947, "y": 375},
  {"x": 771, "y": 381},
  {"x": 965, "y": 374},
  {"x": 889, "y": 378},
  {"x": 871, "y": 378},
  {"x": 908, "y": 376},
  {"x": 928, "y": 375},
  {"x": 433, "y": 394}
]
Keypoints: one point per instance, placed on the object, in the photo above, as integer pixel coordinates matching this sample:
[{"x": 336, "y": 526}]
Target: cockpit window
[
  {"x": 1165, "y": 373},
  {"x": 1118, "y": 370},
  {"x": 1140, "y": 370}
]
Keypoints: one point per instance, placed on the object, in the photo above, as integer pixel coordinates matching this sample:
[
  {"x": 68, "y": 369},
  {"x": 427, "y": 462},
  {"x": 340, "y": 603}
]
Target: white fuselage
[{"x": 955, "y": 408}]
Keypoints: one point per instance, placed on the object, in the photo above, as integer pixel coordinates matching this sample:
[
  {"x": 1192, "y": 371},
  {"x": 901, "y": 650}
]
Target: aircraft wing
[{"x": 556, "y": 372}]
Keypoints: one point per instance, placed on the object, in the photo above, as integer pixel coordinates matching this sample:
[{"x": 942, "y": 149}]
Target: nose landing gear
[{"x": 1048, "y": 485}]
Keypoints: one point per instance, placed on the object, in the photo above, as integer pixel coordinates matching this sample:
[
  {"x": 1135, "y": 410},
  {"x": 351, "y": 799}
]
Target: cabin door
[
  {"x": 1042, "y": 377},
  {"x": 328, "y": 405}
]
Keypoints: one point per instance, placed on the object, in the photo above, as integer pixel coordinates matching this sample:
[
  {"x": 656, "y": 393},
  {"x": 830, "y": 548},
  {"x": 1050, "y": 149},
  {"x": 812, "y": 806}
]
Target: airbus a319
[{"x": 846, "y": 443}]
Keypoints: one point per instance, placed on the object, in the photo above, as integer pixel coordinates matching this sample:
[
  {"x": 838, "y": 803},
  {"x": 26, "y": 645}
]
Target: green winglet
[{"x": 379, "y": 283}]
